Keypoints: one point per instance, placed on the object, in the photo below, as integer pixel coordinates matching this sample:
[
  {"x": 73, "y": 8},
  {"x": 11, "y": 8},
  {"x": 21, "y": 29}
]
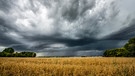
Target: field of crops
[{"x": 72, "y": 66}]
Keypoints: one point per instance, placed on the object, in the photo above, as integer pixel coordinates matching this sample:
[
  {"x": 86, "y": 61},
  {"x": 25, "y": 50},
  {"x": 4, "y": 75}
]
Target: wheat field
[{"x": 72, "y": 66}]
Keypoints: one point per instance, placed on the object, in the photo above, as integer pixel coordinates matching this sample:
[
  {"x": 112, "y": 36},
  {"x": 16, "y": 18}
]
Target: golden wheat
[{"x": 76, "y": 66}]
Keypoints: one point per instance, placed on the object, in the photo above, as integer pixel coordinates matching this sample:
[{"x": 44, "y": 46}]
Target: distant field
[{"x": 74, "y": 66}]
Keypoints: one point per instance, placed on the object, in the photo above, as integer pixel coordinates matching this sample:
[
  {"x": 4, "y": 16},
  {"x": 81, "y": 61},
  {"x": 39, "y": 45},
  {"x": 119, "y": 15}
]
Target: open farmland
[{"x": 74, "y": 66}]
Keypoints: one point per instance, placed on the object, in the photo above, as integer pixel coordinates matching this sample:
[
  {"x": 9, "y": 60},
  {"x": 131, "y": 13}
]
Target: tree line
[
  {"x": 128, "y": 50},
  {"x": 9, "y": 52}
]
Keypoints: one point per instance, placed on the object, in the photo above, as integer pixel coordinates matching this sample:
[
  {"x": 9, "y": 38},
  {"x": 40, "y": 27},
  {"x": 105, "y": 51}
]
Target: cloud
[
  {"x": 125, "y": 33},
  {"x": 67, "y": 27}
]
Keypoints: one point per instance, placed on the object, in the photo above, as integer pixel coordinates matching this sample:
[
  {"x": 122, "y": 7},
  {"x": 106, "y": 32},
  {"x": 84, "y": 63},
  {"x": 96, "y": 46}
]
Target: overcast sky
[{"x": 66, "y": 27}]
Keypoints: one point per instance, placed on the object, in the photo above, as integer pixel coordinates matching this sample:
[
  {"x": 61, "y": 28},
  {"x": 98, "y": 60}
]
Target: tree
[
  {"x": 130, "y": 46},
  {"x": 109, "y": 53},
  {"x": 132, "y": 41},
  {"x": 27, "y": 54},
  {"x": 2, "y": 54},
  {"x": 34, "y": 54},
  {"x": 127, "y": 51},
  {"x": 118, "y": 52},
  {"x": 122, "y": 52},
  {"x": 8, "y": 50}
]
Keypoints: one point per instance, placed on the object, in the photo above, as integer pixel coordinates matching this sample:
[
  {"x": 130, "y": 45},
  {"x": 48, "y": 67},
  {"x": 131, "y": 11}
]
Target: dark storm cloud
[
  {"x": 5, "y": 5},
  {"x": 44, "y": 41},
  {"x": 68, "y": 42},
  {"x": 76, "y": 8},
  {"x": 5, "y": 40},
  {"x": 125, "y": 33},
  {"x": 65, "y": 28}
]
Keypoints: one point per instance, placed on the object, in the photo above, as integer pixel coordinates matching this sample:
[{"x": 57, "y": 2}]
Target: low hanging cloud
[{"x": 66, "y": 27}]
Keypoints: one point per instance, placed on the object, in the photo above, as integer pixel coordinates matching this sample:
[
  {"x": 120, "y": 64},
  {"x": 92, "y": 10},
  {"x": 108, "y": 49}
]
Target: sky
[{"x": 66, "y": 27}]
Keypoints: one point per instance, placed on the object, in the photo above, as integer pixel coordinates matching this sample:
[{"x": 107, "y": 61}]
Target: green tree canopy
[
  {"x": 119, "y": 52},
  {"x": 130, "y": 46},
  {"x": 8, "y": 50},
  {"x": 132, "y": 41}
]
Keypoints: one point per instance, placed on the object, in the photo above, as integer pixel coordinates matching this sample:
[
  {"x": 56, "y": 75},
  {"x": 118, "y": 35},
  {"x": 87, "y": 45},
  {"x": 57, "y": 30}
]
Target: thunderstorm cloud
[{"x": 66, "y": 27}]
